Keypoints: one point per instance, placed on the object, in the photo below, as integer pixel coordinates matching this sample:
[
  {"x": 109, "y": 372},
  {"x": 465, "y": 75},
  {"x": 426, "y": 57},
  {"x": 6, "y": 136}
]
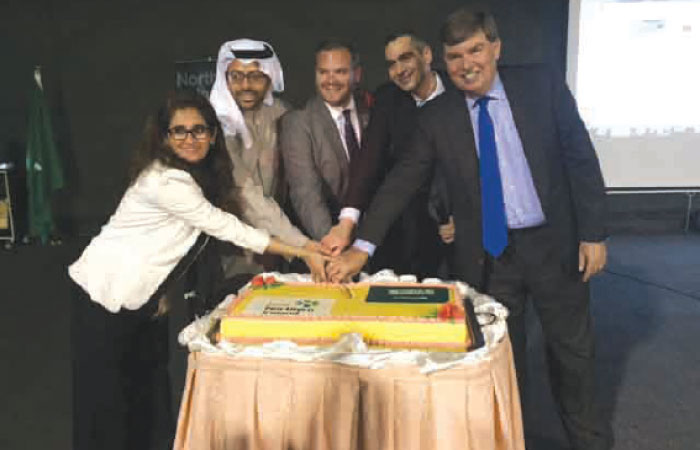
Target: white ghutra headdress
[{"x": 247, "y": 51}]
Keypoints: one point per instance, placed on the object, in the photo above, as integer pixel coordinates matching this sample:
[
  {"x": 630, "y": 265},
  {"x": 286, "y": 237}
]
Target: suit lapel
[
  {"x": 329, "y": 129},
  {"x": 461, "y": 142},
  {"x": 362, "y": 106}
]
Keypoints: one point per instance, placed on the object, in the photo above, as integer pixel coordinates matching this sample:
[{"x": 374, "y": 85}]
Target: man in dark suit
[
  {"x": 412, "y": 245},
  {"x": 319, "y": 141},
  {"x": 528, "y": 204}
]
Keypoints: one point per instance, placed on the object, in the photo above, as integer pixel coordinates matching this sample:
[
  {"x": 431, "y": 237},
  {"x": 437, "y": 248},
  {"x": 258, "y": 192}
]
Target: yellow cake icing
[{"x": 399, "y": 315}]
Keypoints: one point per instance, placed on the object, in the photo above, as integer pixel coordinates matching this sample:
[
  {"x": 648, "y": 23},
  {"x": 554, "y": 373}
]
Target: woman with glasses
[{"x": 180, "y": 183}]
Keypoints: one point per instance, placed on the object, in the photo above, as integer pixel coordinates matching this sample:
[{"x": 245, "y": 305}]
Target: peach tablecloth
[{"x": 257, "y": 403}]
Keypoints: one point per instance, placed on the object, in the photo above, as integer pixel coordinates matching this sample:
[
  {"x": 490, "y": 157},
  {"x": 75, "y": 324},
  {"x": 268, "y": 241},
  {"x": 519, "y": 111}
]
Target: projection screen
[{"x": 634, "y": 68}]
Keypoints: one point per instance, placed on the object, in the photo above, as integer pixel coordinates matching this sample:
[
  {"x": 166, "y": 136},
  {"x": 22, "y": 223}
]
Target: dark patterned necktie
[
  {"x": 351, "y": 143},
  {"x": 493, "y": 215}
]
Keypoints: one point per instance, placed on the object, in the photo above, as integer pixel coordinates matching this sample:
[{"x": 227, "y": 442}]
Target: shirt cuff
[
  {"x": 364, "y": 246},
  {"x": 350, "y": 213},
  {"x": 259, "y": 241}
]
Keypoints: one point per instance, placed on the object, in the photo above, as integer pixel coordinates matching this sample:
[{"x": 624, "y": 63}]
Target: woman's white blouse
[{"x": 154, "y": 226}]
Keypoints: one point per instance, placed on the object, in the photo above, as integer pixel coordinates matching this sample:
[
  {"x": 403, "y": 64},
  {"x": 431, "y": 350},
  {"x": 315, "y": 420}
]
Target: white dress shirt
[
  {"x": 154, "y": 226},
  {"x": 439, "y": 89},
  {"x": 339, "y": 120}
]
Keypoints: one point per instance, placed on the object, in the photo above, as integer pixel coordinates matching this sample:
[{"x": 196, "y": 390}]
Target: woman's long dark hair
[{"x": 214, "y": 174}]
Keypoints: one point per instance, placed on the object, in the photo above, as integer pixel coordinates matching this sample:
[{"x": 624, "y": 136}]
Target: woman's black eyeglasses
[{"x": 198, "y": 132}]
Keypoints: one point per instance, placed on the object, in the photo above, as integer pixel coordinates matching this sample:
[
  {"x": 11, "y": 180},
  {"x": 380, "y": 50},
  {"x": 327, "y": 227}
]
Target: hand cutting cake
[{"x": 392, "y": 315}]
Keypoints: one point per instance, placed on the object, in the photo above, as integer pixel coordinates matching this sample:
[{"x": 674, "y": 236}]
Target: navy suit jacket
[{"x": 563, "y": 163}]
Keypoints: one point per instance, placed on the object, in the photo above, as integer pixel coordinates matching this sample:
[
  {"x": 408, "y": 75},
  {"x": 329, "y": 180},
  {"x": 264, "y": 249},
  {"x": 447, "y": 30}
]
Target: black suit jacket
[
  {"x": 562, "y": 161},
  {"x": 393, "y": 119},
  {"x": 412, "y": 244}
]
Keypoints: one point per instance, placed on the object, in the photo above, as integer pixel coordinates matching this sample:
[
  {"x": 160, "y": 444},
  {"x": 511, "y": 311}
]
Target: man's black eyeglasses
[{"x": 256, "y": 77}]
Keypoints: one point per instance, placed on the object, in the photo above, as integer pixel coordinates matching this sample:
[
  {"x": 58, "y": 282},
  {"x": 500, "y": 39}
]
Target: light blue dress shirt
[{"x": 523, "y": 208}]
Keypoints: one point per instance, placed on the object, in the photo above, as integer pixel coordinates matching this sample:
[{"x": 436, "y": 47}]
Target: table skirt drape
[{"x": 248, "y": 403}]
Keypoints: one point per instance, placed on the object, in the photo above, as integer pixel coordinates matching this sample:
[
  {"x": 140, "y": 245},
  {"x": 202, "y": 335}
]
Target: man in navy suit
[{"x": 528, "y": 203}]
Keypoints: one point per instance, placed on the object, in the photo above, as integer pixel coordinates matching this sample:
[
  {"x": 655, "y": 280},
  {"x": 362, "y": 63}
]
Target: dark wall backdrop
[{"x": 106, "y": 64}]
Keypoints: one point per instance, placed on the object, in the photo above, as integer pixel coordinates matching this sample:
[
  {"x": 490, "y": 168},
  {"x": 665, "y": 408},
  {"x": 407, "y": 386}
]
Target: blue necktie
[{"x": 493, "y": 215}]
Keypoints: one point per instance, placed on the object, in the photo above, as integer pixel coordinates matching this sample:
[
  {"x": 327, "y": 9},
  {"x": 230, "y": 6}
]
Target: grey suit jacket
[{"x": 315, "y": 164}]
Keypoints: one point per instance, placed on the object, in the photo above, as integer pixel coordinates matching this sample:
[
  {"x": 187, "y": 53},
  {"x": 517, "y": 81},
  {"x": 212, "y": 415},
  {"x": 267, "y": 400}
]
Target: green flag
[{"x": 44, "y": 173}]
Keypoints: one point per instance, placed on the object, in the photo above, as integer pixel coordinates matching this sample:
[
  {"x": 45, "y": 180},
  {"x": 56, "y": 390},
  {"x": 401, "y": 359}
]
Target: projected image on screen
[{"x": 634, "y": 67}]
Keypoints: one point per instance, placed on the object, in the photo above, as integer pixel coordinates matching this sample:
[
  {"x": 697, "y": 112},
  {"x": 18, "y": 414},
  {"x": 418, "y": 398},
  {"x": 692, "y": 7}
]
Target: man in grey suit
[{"x": 318, "y": 141}]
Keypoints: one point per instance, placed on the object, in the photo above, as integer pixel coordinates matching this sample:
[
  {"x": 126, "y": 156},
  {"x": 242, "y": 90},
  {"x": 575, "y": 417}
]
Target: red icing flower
[
  {"x": 445, "y": 311},
  {"x": 450, "y": 311},
  {"x": 270, "y": 280},
  {"x": 257, "y": 281}
]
